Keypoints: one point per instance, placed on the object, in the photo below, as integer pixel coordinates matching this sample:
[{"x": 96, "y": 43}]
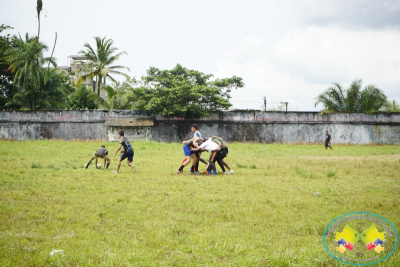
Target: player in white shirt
[{"x": 211, "y": 147}]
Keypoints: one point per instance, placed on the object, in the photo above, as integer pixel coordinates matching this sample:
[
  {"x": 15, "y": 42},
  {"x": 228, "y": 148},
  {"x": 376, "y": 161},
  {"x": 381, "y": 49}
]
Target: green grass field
[{"x": 265, "y": 214}]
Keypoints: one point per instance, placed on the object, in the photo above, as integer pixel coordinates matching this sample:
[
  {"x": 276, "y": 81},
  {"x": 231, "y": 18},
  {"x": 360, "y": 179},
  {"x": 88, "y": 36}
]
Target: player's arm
[
  {"x": 120, "y": 145},
  {"x": 187, "y": 141},
  {"x": 195, "y": 148},
  {"x": 217, "y": 142},
  {"x": 195, "y": 143},
  {"x": 202, "y": 160}
]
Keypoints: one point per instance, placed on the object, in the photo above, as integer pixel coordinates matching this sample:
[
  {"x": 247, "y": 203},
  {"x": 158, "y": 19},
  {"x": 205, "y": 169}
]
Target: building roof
[{"x": 78, "y": 57}]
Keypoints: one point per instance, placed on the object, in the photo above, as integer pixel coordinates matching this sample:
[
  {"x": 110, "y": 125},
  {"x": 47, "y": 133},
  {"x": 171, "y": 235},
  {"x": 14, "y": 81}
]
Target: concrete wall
[
  {"x": 240, "y": 126},
  {"x": 69, "y": 125}
]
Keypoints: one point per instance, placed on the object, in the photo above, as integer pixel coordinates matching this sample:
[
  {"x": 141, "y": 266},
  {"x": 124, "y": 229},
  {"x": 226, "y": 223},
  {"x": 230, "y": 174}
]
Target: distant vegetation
[{"x": 354, "y": 99}]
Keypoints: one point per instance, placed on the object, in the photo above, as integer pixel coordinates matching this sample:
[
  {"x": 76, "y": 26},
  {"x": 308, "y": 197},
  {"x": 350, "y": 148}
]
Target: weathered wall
[
  {"x": 69, "y": 125},
  {"x": 241, "y": 126}
]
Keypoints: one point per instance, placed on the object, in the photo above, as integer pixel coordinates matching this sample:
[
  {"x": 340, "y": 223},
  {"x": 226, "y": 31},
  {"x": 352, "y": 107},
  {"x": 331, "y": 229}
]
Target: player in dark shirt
[
  {"x": 100, "y": 153},
  {"x": 328, "y": 139},
  {"x": 223, "y": 153},
  {"x": 126, "y": 153}
]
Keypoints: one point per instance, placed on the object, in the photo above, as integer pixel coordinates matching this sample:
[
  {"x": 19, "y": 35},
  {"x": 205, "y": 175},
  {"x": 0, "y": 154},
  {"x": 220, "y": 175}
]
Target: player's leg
[
  {"x": 108, "y": 160},
  {"x": 118, "y": 165},
  {"x": 202, "y": 160},
  {"x": 194, "y": 162},
  {"x": 187, "y": 161},
  {"x": 198, "y": 158},
  {"x": 226, "y": 151},
  {"x": 213, "y": 158},
  {"x": 187, "y": 152},
  {"x": 219, "y": 158},
  {"x": 212, "y": 169},
  {"x": 124, "y": 156},
  {"x": 230, "y": 171},
  {"x": 90, "y": 160},
  {"x": 130, "y": 161}
]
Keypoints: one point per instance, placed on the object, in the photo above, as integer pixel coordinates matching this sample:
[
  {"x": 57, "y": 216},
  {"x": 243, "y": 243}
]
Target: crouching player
[
  {"x": 222, "y": 154},
  {"x": 100, "y": 153}
]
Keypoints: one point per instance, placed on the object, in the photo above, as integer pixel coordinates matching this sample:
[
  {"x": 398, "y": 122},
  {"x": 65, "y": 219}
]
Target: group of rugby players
[{"x": 194, "y": 147}]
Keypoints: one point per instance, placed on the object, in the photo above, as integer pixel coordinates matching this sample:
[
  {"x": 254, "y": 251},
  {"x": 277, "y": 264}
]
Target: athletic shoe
[
  {"x": 190, "y": 170},
  {"x": 224, "y": 173},
  {"x": 115, "y": 172},
  {"x": 214, "y": 173},
  {"x": 133, "y": 168},
  {"x": 178, "y": 172},
  {"x": 197, "y": 173},
  {"x": 230, "y": 172},
  {"x": 106, "y": 169},
  {"x": 204, "y": 173}
]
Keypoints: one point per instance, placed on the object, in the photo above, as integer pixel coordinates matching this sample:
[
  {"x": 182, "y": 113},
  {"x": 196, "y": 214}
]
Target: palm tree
[
  {"x": 368, "y": 100},
  {"x": 371, "y": 99},
  {"x": 117, "y": 98},
  {"x": 99, "y": 61},
  {"x": 392, "y": 106},
  {"x": 39, "y": 6},
  {"x": 333, "y": 98},
  {"x": 26, "y": 61}
]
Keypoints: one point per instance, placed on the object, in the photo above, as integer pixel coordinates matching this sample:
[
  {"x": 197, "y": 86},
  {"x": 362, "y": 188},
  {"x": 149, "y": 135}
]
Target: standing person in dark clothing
[
  {"x": 127, "y": 153},
  {"x": 328, "y": 139}
]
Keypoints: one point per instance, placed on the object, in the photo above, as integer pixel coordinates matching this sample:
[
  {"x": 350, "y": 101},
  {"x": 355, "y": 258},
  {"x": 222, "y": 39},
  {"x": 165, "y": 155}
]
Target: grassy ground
[{"x": 266, "y": 214}]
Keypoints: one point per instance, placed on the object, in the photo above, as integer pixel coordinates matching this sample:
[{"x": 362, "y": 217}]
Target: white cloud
[
  {"x": 304, "y": 62},
  {"x": 288, "y": 50}
]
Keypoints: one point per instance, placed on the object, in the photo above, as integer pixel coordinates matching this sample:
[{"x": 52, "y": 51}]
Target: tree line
[{"x": 28, "y": 82}]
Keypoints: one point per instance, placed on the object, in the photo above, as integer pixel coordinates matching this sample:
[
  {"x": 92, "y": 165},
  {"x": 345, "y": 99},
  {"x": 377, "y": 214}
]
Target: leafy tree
[
  {"x": 54, "y": 91},
  {"x": 117, "y": 98},
  {"x": 336, "y": 99},
  {"x": 7, "y": 88},
  {"x": 82, "y": 98},
  {"x": 26, "y": 60},
  {"x": 99, "y": 61},
  {"x": 183, "y": 92}
]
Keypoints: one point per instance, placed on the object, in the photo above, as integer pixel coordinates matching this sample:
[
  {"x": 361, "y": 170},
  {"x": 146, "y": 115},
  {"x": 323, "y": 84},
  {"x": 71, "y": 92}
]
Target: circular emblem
[{"x": 360, "y": 238}]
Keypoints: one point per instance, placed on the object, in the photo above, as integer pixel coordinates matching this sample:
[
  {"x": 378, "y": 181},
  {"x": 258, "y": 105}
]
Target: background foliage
[{"x": 183, "y": 92}]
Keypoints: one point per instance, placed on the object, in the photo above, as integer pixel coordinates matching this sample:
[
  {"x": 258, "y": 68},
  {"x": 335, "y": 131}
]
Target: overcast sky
[{"x": 285, "y": 50}]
